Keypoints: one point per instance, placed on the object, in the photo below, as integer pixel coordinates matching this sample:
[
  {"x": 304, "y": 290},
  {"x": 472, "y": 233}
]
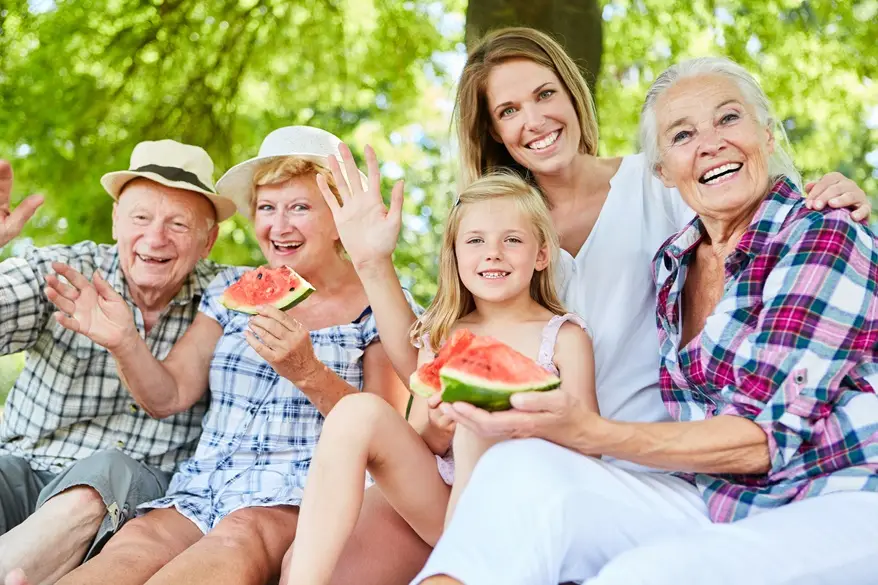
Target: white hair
[{"x": 779, "y": 162}]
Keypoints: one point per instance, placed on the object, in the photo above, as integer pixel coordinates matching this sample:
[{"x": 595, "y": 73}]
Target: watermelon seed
[
  {"x": 292, "y": 288},
  {"x": 259, "y": 276}
]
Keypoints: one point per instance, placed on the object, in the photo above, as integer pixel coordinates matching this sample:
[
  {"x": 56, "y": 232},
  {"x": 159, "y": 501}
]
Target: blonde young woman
[
  {"x": 521, "y": 103},
  {"x": 497, "y": 279}
]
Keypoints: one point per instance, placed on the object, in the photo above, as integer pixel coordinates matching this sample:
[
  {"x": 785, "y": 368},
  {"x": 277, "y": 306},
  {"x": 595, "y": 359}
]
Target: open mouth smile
[{"x": 717, "y": 174}]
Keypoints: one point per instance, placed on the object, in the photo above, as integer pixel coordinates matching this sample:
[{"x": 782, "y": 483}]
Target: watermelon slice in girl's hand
[
  {"x": 281, "y": 288},
  {"x": 482, "y": 371},
  {"x": 425, "y": 381}
]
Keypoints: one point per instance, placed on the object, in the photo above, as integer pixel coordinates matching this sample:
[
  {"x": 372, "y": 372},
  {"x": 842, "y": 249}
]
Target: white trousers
[{"x": 538, "y": 514}]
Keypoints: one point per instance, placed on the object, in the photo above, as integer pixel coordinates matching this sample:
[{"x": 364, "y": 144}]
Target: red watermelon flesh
[
  {"x": 281, "y": 288},
  {"x": 487, "y": 374},
  {"x": 425, "y": 381}
]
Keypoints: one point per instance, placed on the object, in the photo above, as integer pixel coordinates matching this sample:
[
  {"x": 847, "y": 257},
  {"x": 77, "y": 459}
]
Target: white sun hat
[
  {"x": 172, "y": 164},
  {"x": 305, "y": 142}
]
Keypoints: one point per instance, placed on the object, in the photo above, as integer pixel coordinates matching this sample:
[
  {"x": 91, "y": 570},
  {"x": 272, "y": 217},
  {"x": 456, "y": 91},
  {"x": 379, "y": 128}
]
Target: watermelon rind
[
  {"x": 288, "y": 301},
  {"x": 420, "y": 388},
  {"x": 458, "y": 386}
]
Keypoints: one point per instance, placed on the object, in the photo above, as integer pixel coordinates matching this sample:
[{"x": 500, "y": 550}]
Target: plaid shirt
[
  {"x": 792, "y": 345},
  {"x": 261, "y": 431},
  {"x": 68, "y": 403}
]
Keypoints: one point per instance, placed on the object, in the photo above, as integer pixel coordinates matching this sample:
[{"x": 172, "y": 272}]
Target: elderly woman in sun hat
[{"x": 230, "y": 512}]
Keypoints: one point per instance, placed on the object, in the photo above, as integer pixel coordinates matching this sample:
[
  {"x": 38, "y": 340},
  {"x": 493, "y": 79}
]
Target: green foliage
[
  {"x": 816, "y": 60},
  {"x": 83, "y": 81}
]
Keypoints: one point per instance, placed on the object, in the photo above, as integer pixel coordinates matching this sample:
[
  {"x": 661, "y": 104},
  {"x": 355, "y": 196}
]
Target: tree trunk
[{"x": 576, "y": 24}]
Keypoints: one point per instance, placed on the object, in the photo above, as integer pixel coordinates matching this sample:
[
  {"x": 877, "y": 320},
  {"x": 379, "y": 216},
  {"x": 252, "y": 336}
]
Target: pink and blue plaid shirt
[{"x": 792, "y": 345}]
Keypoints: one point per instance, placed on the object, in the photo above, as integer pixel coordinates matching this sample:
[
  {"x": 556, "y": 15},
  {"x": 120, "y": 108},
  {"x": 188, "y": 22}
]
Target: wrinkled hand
[
  {"x": 283, "y": 343},
  {"x": 554, "y": 415},
  {"x": 367, "y": 228},
  {"x": 12, "y": 222},
  {"x": 836, "y": 190},
  {"x": 93, "y": 309}
]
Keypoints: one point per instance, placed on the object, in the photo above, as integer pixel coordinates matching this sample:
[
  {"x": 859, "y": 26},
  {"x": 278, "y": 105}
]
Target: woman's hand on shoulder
[
  {"x": 837, "y": 191},
  {"x": 367, "y": 228},
  {"x": 284, "y": 343}
]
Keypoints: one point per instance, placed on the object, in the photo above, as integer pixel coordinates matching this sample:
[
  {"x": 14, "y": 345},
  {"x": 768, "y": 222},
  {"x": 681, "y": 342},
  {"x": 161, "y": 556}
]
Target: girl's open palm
[{"x": 368, "y": 229}]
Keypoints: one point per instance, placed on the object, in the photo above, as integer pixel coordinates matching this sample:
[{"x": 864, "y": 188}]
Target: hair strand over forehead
[{"x": 780, "y": 163}]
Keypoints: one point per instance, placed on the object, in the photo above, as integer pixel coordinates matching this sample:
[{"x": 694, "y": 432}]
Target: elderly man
[{"x": 77, "y": 454}]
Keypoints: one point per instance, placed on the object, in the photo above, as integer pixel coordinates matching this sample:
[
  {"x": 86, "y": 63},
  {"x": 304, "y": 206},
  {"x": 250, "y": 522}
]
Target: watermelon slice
[
  {"x": 425, "y": 381},
  {"x": 487, "y": 374},
  {"x": 281, "y": 288}
]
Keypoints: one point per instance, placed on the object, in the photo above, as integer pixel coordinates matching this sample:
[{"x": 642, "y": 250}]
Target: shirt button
[{"x": 120, "y": 444}]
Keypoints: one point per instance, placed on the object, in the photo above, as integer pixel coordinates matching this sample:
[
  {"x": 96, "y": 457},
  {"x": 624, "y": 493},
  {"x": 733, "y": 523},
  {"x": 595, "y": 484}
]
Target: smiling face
[
  {"x": 712, "y": 146},
  {"x": 497, "y": 250},
  {"x": 161, "y": 233},
  {"x": 533, "y": 116},
  {"x": 294, "y": 226}
]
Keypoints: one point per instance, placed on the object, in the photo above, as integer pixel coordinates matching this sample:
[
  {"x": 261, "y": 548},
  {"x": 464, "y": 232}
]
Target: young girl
[{"x": 497, "y": 279}]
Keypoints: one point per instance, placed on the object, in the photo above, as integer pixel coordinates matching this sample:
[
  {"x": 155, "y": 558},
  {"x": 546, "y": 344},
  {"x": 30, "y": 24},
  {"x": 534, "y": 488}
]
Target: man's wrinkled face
[{"x": 161, "y": 232}]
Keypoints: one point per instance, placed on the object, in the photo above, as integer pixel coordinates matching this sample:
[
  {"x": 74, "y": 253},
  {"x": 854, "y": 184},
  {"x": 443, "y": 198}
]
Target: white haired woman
[{"x": 768, "y": 325}]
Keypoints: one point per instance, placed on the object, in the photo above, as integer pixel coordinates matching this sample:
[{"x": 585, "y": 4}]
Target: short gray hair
[{"x": 779, "y": 163}]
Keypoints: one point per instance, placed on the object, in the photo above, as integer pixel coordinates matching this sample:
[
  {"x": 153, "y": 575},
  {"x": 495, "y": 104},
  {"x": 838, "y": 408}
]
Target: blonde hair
[
  {"x": 285, "y": 169},
  {"x": 453, "y": 300},
  {"x": 480, "y": 153}
]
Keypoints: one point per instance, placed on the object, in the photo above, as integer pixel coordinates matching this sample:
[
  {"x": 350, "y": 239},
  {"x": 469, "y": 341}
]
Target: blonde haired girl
[{"x": 496, "y": 278}]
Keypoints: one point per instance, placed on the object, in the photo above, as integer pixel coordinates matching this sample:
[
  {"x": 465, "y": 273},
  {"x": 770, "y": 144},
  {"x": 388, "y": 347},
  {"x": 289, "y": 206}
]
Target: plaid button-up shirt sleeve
[
  {"x": 819, "y": 316},
  {"x": 24, "y": 308}
]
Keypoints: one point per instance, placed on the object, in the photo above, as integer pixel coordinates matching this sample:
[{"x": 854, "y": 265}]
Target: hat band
[{"x": 174, "y": 174}]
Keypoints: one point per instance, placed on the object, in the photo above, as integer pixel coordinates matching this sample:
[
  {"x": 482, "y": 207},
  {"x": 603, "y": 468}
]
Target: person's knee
[
  {"x": 538, "y": 464},
  {"x": 242, "y": 533},
  {"x": 145, "y": 537},
  {"x": 357, "y": 415},
  {"x": 81, "y": 500}
]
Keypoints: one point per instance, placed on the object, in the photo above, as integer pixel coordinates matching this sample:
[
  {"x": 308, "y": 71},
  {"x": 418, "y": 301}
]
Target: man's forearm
[{"x": 147, "y": 379}]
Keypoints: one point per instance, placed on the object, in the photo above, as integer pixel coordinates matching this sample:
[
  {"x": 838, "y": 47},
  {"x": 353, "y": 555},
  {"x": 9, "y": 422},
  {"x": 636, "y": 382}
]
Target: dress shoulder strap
[{"x": 550, "y": 337}]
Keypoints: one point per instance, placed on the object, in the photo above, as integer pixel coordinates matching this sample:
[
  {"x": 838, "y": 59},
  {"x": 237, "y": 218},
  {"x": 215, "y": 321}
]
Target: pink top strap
[{"x": 550, "y": 336}]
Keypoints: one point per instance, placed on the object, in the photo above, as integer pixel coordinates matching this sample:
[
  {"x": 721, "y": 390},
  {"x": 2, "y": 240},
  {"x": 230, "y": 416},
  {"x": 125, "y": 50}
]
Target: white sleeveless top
[{"x": 609, "y": 283}]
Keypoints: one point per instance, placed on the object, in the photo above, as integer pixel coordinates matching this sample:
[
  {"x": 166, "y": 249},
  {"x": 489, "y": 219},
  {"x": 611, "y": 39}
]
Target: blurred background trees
[{"x": 82, "y": 81}]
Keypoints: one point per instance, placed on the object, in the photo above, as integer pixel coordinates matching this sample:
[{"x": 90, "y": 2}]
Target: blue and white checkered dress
[{"x": 260, "y": 431}]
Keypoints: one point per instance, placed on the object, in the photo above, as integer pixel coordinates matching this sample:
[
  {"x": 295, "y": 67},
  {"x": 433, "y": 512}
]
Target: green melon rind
[
  {"x": 420, "y": 388},
  {"x": 287, "y": 301},
  {"x": 459, "y": 386}
]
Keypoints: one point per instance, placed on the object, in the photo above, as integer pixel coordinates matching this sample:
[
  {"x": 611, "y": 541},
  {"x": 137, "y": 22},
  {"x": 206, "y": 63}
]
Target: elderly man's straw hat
[{"x": 172, "y": 164}]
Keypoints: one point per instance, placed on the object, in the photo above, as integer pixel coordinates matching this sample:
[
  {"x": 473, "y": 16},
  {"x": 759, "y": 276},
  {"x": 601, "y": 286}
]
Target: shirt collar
[{"x": 768, "y": 220}]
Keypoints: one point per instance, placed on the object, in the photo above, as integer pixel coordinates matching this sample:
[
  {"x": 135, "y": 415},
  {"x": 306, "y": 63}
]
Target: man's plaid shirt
[{"x": 68, "y": 403}]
